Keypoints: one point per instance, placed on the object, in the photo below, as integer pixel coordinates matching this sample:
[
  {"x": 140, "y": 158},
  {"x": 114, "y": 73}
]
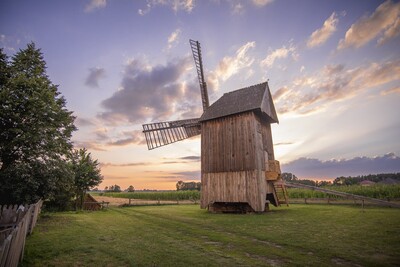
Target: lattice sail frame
[
  {"x": 163, "y": 133},
  {"x": 196, "y": 51}
]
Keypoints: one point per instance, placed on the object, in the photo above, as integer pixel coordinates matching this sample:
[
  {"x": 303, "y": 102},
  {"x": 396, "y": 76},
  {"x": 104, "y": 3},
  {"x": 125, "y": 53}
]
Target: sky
[{"x": 333, "y": 69}]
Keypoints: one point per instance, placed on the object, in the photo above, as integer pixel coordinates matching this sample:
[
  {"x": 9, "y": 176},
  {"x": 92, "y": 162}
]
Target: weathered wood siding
[{"x": 234, "y": 151}]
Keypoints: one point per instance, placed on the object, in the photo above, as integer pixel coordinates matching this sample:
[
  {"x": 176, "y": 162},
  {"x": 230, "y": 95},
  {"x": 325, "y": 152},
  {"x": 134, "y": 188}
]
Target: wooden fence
[{"x": 16, "y": 222}]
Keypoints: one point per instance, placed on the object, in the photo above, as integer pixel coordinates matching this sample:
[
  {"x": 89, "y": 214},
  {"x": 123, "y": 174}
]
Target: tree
[
  {"x": 131, "y": 189},
  {"x": 180, "y": 185},
  {"x": 35, "y": 130},
  {"x": 87, "y": 173},
  {"x": 287, "y": 176}
]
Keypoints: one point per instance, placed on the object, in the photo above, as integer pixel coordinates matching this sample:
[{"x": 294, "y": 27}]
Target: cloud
[
  {"x": 392, "y": 90},
  {"x": 130, "y": 164},
  {"x": 95, "y": 4},
  {"x": 82, "y": 122},
  {"x": 283, "y": 143},
  {"x": 188, "y": 175},
  {"x": 175, "y": 5},
  {"x": 315, "y": 168},
  {"x": 384, "y": 20},
  {"x": 279, "y": 93},
  {"x": 150, "y": 93},
  {"x": 95, "y": 74},
  {"x": 229, "y": 66},
  {"x": 279, "y": 53},
  {"x": 88, "y": 145},
  {"x": 308, "y": 94},
  {"x": 237, "y": 8},
  {"x": 194, "y": 158},
  {"x": 320, "y": 36},
  {"x": 131, "y": 137},
  {"x": 262, "y": 2},
  {"x": 391, "y": 32},
  {"x": 180, "y": 160},
  {"x": 174, "y": 38}
]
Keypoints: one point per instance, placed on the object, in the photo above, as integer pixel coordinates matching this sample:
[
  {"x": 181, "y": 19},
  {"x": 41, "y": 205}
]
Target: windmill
[{"x": 239, "y": 172}]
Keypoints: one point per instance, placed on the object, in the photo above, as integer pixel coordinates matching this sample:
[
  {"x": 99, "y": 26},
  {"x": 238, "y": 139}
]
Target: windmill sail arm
[
  {"x": 163, "y": 133},
  {"x": 196, "y": 50}
]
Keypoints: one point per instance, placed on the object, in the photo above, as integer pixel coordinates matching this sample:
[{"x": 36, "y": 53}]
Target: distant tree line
[
  {"x": 290, "y": 177},
  {"x": 37, "y": 157},
  {"x": 182, "y": 186},
  {"x": 370, "y": 177}
]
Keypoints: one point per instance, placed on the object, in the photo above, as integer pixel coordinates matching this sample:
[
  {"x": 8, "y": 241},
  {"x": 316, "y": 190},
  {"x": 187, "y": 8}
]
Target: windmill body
[{"x": 239, "y": 172}]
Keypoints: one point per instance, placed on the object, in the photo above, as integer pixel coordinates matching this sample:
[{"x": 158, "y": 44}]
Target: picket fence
[{"x": 16, "y": 222}]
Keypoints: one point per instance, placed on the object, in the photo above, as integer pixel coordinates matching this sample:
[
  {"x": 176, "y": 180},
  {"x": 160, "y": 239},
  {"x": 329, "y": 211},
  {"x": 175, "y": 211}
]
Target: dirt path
[{"x": 115, "y": 201}]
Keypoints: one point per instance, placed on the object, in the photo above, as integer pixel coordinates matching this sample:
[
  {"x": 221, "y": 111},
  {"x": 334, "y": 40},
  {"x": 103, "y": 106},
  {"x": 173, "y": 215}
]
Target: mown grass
[{"x": 184, "y": 235}]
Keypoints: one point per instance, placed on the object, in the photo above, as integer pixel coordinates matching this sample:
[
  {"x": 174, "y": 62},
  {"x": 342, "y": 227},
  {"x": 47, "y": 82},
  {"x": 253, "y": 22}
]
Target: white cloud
[
  {"x": 310, "y": 94},
  {"x": 237, "y": 8},
  {"x": 173, "y": 38},
  {"x": 95, "y": 4},
  {"x": 262, "y": 2},
  {"x": 175, "y": 5},
  {"x": 391, "y": 32},
  {"x": 385, "y": 20},
  {"x": 279, "y": 53},
  {"x": 320, "y": 36},
  {"x": 229, "y": 66}
]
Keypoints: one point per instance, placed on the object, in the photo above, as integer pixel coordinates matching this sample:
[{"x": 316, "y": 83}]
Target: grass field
[{"x": 184, "y": 235}]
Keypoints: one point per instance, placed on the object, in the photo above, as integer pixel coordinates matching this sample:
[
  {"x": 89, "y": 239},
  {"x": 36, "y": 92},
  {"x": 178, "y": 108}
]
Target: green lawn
[{"x": 185, "y": 235}]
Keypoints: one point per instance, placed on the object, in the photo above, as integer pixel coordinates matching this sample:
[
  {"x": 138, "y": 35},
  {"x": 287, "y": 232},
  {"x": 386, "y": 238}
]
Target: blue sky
[{"x": 333, "y": 69}]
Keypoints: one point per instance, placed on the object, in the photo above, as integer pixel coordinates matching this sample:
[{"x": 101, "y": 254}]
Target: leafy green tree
[
  {"x": 290, "y": 177},
  {"x": 180, "y": 185},
  {"x": 35, "y": 130},
  {"x": 116, "y": 188},
  {"x": 87, "y": 173},
  {"x": 131, "y": 189}
]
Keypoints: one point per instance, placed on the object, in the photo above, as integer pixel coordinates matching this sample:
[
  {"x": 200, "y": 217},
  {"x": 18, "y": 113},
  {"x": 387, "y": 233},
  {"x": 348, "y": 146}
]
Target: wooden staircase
[{"x": 281, "y": 194}]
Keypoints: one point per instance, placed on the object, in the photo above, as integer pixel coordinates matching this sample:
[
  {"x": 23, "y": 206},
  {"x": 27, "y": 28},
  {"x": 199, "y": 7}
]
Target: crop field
[
  {"x": 185, "y": 235},
  {"x": 377, "y": 191}
]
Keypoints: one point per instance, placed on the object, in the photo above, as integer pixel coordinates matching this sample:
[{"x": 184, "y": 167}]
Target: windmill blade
[
  {"x": 164, "y": 133},
  {"x": 196, "y": 50}
]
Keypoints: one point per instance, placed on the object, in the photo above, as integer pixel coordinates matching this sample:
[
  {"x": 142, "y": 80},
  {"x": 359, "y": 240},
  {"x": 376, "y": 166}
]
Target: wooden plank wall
[
  {"x": 267, "y": 138},
  {"x": 233, "y": 160},
  {"x": 228, "y": 144}
]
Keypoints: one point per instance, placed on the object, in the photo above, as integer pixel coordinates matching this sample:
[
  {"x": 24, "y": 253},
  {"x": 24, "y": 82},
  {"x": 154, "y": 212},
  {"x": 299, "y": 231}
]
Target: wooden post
[{"x": 129, "y": 201}]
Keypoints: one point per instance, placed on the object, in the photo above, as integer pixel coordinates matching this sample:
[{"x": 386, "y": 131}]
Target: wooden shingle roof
[{"x": 256, "y": 97}]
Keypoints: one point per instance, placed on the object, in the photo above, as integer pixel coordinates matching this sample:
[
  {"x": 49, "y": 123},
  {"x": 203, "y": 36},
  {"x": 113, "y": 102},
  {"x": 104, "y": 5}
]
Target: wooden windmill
[{"x": 239, "y": 172}]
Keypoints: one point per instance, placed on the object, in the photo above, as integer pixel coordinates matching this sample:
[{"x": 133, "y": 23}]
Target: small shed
[
  {"x": 238, "y": 166},
  {"x": 90, "y": 203}
]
